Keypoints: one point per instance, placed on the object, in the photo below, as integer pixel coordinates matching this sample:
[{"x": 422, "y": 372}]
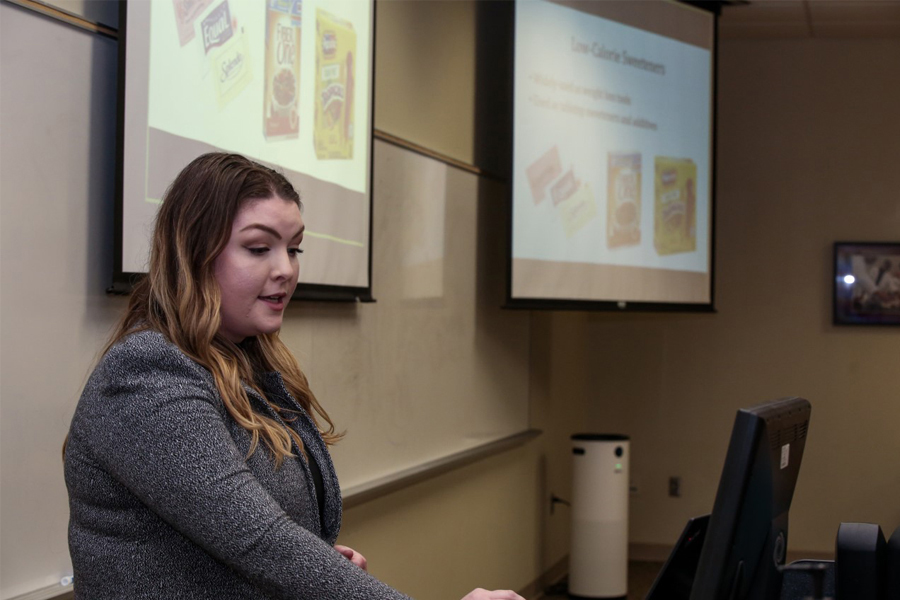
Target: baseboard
[{"x": 660, "y": 552}]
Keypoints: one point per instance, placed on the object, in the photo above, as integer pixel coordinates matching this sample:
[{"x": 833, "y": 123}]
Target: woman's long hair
[{"x": 180, "y": 297}]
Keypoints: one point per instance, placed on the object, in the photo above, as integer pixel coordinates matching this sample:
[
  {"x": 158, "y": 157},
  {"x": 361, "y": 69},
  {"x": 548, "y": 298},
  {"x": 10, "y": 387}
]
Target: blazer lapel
[{"x": 273, "y": 383}]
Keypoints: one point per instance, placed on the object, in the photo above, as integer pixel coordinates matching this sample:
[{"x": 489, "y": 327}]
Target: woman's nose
[{"x": 282, "y": 266}]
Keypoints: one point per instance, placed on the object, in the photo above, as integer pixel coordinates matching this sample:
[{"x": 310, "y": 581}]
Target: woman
[{"x": 197, "y": 462}]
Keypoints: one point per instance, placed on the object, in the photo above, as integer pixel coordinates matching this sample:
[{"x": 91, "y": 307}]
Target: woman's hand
[
  {"x": 355, "y": 557},
  {"x": 480, "y": 594}
]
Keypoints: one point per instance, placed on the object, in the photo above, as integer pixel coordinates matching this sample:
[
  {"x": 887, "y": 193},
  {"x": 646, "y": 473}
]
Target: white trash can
[{"x": 598, "y": 561}]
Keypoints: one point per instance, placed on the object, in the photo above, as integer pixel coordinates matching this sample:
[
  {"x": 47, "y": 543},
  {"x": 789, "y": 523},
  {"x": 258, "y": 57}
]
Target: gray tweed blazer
[{"x": 164, "y": 503}]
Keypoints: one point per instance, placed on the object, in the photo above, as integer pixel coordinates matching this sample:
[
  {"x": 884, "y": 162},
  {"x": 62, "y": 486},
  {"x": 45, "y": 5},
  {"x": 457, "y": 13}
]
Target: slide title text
[{"x": 622, "y": 58}]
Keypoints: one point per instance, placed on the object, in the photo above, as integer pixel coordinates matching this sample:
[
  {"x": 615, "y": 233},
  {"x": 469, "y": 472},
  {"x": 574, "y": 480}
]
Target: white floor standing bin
[{"x": 598, "y": 561}]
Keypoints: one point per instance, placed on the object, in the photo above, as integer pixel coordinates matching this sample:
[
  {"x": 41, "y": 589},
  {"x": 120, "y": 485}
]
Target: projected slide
[
  {"x": 285, "y": 82},
  {"x": 612, "y": 153}
]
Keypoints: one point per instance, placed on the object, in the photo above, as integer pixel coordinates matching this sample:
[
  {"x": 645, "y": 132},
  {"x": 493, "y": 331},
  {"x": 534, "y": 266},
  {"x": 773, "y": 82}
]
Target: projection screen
[
  {"x": 613, "y": 125},
  {"x": 285, "y": 82}
]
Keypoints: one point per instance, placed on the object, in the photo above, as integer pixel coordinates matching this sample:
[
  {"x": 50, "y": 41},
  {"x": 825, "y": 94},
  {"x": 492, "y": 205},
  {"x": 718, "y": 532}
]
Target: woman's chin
[{"x": 272, "y": 327}]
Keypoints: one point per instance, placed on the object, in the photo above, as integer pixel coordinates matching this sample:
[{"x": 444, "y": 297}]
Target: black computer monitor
[{"x": 746, "y": 540}]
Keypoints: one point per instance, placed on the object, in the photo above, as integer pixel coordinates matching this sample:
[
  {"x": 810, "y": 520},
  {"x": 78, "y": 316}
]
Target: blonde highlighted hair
[{"x": 180, "y": 297}]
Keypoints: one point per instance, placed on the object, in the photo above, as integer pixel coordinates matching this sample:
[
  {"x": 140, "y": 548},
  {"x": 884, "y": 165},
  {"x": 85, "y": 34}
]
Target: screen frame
[
  {"x": 620, "y": 305},
  {"x": 123, "y": 282}
]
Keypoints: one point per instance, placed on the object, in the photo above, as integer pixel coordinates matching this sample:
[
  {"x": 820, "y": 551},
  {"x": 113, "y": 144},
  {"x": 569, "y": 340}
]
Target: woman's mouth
[{"x": 276, "y": 301}]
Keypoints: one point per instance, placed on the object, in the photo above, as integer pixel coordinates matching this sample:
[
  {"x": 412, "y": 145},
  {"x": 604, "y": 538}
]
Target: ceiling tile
[
  {"x": 849, "y": 19},
  {"x": 858, "y": 30}
]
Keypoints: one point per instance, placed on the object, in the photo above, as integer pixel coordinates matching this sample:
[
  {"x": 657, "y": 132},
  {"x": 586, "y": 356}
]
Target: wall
[
  {"x": 424, "y": 73},
  {"x": 57, "y": 197},
  {"x": 56, "y": 243},
  {"x": 807, "y": 141},
  {"x": 807, "y": 155}
]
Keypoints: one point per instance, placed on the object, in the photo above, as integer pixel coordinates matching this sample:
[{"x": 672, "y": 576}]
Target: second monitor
[{"x": 744, "y": 542}]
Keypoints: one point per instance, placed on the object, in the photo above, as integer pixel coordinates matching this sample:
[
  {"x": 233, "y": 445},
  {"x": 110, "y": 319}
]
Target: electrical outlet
[{"x": 675, "y": 487}]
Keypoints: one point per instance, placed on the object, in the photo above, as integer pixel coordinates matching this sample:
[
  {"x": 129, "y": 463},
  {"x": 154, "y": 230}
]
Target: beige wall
[
  {"x": 475, "y": 526},
  {"x": 809, "y": 140},
  {"x": 488, "y": 524},
  {"x": 807, "y": 152},
  {"x": 425, "y": 73}
]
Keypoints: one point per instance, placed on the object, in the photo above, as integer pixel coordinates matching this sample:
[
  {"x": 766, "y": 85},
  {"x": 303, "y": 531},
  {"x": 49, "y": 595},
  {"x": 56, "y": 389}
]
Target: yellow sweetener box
[
  {"x": 335, "y": 75},
  {"x": 675, "y": 206}
]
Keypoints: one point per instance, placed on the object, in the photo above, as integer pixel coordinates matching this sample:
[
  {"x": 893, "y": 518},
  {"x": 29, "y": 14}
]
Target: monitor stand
[{"x": 676, "y": 578}]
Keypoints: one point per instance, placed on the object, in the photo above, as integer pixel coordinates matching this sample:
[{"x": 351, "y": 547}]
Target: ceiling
[{"x": 838, "y": 19}]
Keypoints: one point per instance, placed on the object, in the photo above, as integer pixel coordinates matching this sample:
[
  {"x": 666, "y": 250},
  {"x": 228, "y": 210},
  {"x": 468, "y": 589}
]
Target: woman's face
[{"x": 257, "y": 271}]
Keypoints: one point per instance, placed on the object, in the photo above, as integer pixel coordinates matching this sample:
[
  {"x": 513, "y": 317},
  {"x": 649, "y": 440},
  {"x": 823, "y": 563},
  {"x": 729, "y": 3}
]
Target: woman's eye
[
  {"x": 258, "y": 251},
  {"x": 295, "y": 251}
]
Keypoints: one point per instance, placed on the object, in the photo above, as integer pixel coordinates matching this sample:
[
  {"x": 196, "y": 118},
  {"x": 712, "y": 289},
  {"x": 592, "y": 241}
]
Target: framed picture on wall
[{"x": 867, "y": 283}]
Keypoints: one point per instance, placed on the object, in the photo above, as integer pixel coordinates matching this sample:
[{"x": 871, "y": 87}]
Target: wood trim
[
  {"x": 66, "y": 17},
  {"x": 51, "y": 592},
  {"x": 364, "y": 492},
  {"x": 414, "y": 147}
]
